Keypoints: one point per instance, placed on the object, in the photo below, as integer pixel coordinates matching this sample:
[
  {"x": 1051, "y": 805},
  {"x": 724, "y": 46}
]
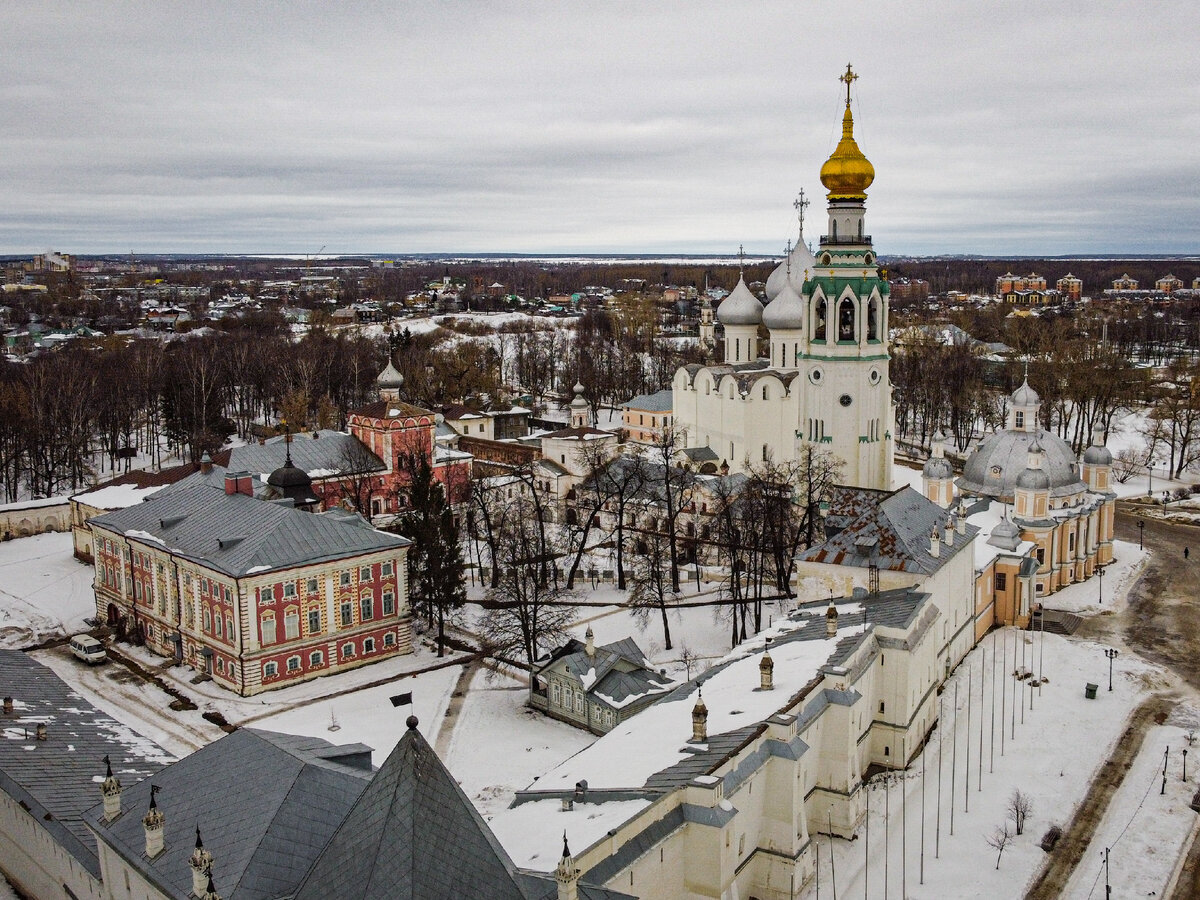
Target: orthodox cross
[
  {"x": 788, "y": 258},
  {"x": 741, "y": 259},
  {"x": 848, "y": 78},
  {"x": 800, "y": 205}
]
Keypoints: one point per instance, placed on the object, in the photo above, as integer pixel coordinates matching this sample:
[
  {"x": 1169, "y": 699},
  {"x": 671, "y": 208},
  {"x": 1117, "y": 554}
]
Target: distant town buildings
[
  {"x": 1168, "y": 284},
  {"x": 1125, "y": 283},
  {"x": 1008, "y": 283},
  {"x": 1070, "y": 287}
]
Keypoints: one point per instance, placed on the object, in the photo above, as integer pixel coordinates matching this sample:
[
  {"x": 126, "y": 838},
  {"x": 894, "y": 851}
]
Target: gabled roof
[
  {"x": 239, "y": 535},
  {"x": 601, "y": 676},
  {"x": 390, "y": 409},
  {"x": 321, "y": 454},
  {"x": 894, "y": 534},
  {"x": 56, "y": 778},
  {"x": 659, "y": 401},
  {"x": 413, "y": 833},
  {"x": 265, "y": 804}
]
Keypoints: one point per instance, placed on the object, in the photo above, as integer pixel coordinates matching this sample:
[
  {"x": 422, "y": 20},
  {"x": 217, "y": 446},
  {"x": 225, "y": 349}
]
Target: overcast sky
[{"x": 561, "y": 127}]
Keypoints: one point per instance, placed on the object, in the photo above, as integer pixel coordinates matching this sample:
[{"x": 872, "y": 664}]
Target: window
[
  {"x": 266, "y": 595},
  {"x": 347, "y": 615},
  {"x": 579, "y": 701},
  {"x": 314, "y": 621},
  {"x": 187, "y": 579},
  {"x": 556, "y": 694},
  {"x": 385, "y": 570},
  {"x": 347, "y": 651},
  {"x": 1041, "y": 556},
  {"x": 229, "y": 627},
  {"x": 364, "y": 574},
  {"x": 270, "y": 670},
  {"x": 217, "y": 623},
  {"x": 345, "y": 579},
  {"x": 207, "y": 620},
  {"x": 881, "y": 706},
  {"x": 291, "y": 624},
  {"x": 389, "y": 640},
  {"x": 389, "y": 603},
  {"x": 316, "y": 658},
  {"x": 366, "y": 609},
  {"x": 1019, "y": 419},
  {"x": 289, "y": 590},
  {"x": 267, "y": 622},
  {"x": 369, "y": 645},
  {"x": 312, "y": 585},
  {"x": 293, "y": 664},
  {"x": 1001, "y": 581}
]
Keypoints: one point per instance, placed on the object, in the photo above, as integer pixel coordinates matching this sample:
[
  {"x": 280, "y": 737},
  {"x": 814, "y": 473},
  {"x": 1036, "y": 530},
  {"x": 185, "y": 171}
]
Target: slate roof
[
  {"x": 332, "y": 451},
  {"x": 56, "y": 779},
  {"x": 413, "y": 833},
  {"x": 893, "y": 533},
  {"x": 143, "y": 478},
  {"x": 239, "y": 535},
  {"x": 608, "y": 683},
  {"x": 659, "y": 401},
  {"x": 265, "y": 804}
]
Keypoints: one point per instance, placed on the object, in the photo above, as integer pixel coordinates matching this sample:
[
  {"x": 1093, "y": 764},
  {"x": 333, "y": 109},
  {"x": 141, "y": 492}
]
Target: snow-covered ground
[
  {"x": 44, "y": 590},
  {"x": 1049, "y": 752},
  {"x": 1119, "y": 576}
]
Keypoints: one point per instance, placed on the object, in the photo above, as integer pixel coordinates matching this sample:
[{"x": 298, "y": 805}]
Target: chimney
[
  {"x": 239, "y": 483},
  {"x": 948, "y": 532},
  {"x": 40, "y": 731},
  {"x": 201, "y": 863},
  {"x": 935, "y": 545},
  {"x": 110, "y": 789},
  {"x": 961, "y": 522},
  {"x": 153, "y": 821},
  {"x": 766, "y": 670},
  {"x": 567, "y": 874},
  {"x": 206, "y": 463},
  {"x": 8, "y": 706},
  {"x": 590, "y": 645},
  {"x": 831, "y": 619},
  {"x": 699, "y": 721}
]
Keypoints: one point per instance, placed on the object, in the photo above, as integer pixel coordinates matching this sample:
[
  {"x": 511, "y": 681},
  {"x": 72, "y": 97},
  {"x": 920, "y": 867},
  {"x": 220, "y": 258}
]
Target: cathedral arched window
[
  {"x": 819, "y": 328},
  {"x": 766, "y": 393},
  {"x": 873, "y": 320},
  {"x": 833, "y": 225},
  {"x": 846, "y": 320}
]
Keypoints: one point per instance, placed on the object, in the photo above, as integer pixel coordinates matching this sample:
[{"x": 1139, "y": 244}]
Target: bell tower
[{"x": 847, "y": 403}]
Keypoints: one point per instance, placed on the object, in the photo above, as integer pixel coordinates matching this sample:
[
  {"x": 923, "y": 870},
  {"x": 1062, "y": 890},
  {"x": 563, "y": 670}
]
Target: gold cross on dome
[{"x": 849, "y": 77}]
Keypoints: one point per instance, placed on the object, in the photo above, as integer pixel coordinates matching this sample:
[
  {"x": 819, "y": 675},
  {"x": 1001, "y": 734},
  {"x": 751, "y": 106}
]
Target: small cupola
[
  {"x": 389, "y": 382},
  {"x": 201, "y": 864},
  {"x": 154, "y": 822},
  {"x": 581, "y": 411},
  {"x": 210, "y": 890},
  {"x": 110, "y": 790},
  {"x": 699, "y": 720},
  {"x": 766, "y": 670}
]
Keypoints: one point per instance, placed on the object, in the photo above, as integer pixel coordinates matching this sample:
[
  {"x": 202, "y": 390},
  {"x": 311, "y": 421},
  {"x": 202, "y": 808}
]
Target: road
[{"x": 1161, "y": 622}]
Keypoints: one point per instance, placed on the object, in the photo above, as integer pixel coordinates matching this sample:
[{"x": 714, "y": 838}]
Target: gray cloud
[{"x": 576, "y": 127}]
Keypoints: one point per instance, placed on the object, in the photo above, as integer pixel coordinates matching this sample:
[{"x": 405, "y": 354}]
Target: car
[{"x": 88, "y": 649}]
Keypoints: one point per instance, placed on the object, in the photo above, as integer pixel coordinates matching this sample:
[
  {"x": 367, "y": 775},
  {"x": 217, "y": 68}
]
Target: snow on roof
[
  {"x": 34, "y": 504},
  {"x": 529, "y": 831},
  {"x": 657, "y": 738},
  {"x": 986, "y": 520},
  {"x": 116, "y": 496}
]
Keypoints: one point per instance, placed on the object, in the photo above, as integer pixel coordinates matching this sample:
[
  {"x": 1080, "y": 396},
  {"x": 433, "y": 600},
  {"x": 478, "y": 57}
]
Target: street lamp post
[
  {"x": 1141, "y": 530},
  {"x": 1100, "y": 575},
  {"x": 1111, "y": 653}
]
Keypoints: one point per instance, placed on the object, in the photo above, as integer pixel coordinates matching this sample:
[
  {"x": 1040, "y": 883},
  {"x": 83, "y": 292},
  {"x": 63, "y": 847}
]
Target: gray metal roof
[
  {"x": 893, "y": 534},
  {"x": 993, "y": 467},
  {"x": 413, "y": 833},
  {"x": 239, "y": 535},
  {"x": 611, "y": 682},
  {"x": 265, "y": 804},
  {"x": 659, "y": 401},
  {"x": 56, "y": 779},
  {"x": 328, "y": 452}
]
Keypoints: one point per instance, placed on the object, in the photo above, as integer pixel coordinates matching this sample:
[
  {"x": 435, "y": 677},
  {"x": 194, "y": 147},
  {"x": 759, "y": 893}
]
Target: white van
[{"x": 87, "y": 648}]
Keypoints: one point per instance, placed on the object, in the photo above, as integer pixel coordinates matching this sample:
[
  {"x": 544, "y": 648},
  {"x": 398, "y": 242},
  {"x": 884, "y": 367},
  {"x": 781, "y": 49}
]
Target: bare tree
[
  {"x": 651, "y": 584},
  {"x": 1020, "y": 807},
  {"x": 357, "y": 469},
  {"x": 999, "y": 839}
]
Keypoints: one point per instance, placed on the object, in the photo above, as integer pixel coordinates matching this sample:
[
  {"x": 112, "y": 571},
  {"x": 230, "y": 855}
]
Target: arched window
[
  {"x": 766, "y": 393},
  {"x": 819, "y": 328},
  {"x": 316, "y": 658},
  {"x": 873, "y": 320},
  {"x": 846, "y": 320},
  {"x": 833, "y": 225}
]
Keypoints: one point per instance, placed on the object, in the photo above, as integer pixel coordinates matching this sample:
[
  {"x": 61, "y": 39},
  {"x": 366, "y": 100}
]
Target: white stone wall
[{"x": 36, "y": 864}]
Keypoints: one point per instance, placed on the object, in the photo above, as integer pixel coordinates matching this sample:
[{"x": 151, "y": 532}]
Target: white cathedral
[{"x": 824, "y": 379}]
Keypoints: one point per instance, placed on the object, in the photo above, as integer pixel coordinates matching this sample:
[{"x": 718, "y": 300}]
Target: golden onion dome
[{"x": 847, "y": 173}]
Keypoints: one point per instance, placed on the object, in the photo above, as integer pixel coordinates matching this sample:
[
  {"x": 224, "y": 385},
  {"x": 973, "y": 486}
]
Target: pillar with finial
[
  {"x": 153, "y": 822},
  {"x": 831, "y": 620},
  {"x": 200, "y": 862},
  {"x": 699, "y": 720},
  {"x": 210, "y": 890},
  {"x": 766, "y": 670},
  {"x": 567, "y": 874},
  {"x": 110, "y": 789},
  {"x": 589, "y": 642}
]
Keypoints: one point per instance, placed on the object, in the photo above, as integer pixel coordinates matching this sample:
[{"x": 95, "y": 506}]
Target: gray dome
[
  {"x": 801, "y": 261},
  {"x": 390, "y": 377},
  {"x": 741, "y": 307},
  {"x": 937, "y": 467},
  {"x": 1033, "y": 480},
  {"x": 786, "y": 311},
  {"x": 1025, "y": 395},
  {"x": 993, "y": 468},
  {"x": 1097, "y": 456}
]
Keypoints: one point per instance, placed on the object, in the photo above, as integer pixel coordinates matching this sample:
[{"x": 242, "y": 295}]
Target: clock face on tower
[{"x": 845, "y": 400}]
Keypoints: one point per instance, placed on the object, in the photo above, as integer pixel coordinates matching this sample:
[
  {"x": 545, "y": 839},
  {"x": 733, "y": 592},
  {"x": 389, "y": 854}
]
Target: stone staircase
[{"x": 1057, "y": 622}]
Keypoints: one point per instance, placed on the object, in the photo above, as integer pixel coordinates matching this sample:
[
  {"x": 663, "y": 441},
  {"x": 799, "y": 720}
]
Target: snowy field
[
  {"x": 1050, "y": 752},
  {"x": 44, "y": 591}
]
